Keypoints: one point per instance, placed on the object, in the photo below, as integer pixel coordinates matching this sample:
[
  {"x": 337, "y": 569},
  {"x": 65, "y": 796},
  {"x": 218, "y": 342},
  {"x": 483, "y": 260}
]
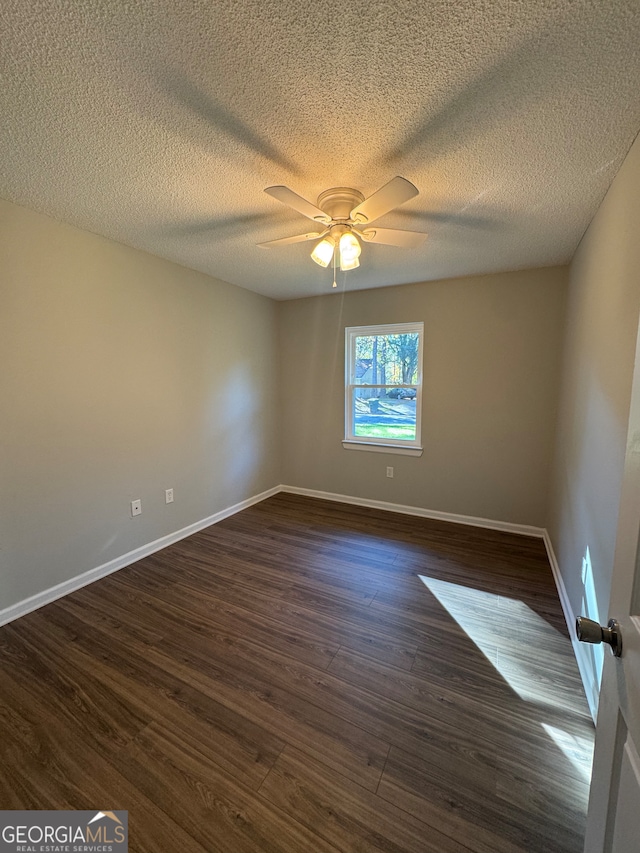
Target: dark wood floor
[{"x": 286, "y": 681}]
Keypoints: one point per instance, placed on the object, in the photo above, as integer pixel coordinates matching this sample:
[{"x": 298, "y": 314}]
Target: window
[{"x": 383, "y": 387}]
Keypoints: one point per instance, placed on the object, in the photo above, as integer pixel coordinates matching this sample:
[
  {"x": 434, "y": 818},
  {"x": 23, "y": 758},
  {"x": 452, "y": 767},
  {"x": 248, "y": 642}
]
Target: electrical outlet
[
  {"x": 168, "y": 496},
  {"x": 389, "y": 471},
  {"x": 136, "y": 508}
]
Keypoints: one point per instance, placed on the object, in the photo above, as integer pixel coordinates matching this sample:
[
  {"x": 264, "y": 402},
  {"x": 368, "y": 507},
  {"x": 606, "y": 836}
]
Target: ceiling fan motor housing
[{"x": 338, "y": 202}]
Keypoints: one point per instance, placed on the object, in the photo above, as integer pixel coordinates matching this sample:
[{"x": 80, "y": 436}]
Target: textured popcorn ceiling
[{"x": 160, "y": 122}]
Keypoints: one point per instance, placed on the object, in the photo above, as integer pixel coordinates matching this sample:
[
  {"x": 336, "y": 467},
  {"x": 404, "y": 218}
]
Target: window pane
[
  {"x": 385, "y": 413},
  {"x": 386, "y": 359}
]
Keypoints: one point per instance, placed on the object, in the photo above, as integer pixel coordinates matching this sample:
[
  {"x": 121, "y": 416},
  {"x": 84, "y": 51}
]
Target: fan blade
[
  {"x": 287, "y": 196},
  {"x": 393, "y": 237},
  {"x": 286, "y": 241},
  {"x": 391, "y": 195}
]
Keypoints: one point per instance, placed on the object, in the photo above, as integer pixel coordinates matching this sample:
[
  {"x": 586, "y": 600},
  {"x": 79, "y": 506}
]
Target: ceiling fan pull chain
[{"x": 335, "y": 284}]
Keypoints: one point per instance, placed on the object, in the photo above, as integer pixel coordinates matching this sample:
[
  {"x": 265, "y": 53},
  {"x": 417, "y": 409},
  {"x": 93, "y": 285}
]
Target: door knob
[{"x": 589, "y": 631}]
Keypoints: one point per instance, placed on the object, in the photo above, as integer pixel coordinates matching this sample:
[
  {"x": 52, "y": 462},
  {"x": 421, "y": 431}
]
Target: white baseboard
[
  {"x": 8, "y": 614},
  {"x": 472, "y": 521},
  {"x": 589, "y": 684}
]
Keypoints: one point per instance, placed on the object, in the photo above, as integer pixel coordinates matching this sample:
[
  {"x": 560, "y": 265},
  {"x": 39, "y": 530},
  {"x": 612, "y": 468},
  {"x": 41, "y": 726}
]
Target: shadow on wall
[{"x": 235, "y": 439}]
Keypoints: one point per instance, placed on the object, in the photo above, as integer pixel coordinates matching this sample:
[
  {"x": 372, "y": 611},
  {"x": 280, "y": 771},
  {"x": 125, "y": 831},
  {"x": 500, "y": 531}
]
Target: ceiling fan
[{"x": 346, "y": 216}]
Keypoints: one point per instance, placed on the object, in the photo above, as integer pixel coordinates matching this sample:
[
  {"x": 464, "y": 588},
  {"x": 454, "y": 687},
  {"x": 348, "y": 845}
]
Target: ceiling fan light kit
[
  {"x": 347, "y": 245},
  {"x": 323, "y": 252},
  {"x": 350, "y": 251},
  {"x": 345, "y": 212}
]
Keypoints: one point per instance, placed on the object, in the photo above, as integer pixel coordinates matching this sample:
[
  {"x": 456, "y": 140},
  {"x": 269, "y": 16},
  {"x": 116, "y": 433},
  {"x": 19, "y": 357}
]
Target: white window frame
[{"x": 359, "y": 442}]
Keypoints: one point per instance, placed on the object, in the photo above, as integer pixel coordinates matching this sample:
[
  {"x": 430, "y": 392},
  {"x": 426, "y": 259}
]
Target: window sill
[{"x": 382, "y": 448}]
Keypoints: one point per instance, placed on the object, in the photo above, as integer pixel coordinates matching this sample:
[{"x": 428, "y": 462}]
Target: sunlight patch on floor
[
  {"x": 531, "y": 653},
  {"x": 532, "y": 658},
  {"x": 579, "y": 750}
]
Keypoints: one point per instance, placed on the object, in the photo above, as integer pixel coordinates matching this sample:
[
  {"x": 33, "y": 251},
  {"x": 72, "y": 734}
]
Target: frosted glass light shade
[
  {"x": 349, "y": 251},
  {"x": 349, "y": 264},
  {"x": 323, "y": 252}
]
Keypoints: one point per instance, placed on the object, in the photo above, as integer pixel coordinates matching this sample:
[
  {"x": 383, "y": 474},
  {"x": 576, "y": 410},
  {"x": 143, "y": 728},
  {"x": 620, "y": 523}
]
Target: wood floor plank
[
  {"x": 349, "y": 623},
  {"x": 205, "y": 614},
  {"x": 345, "y": 815},
  {"x": 212, "y": 667},
  {"x": 285, "y": 681},
  {"x": 229, "y": 738},
  {"x": 352, "y": 750},
  {"x": 442, "y": 796},
  {"x": 242, "y": 566},
  {"x": 60, "y": 770},
  {"x": 309, "y": 637},
  {"x": 388, "y": 703},
  {"x": 57, "y": 684},
  {"x": 255, "y": 697},
  {"x": 213, "y": 808}
]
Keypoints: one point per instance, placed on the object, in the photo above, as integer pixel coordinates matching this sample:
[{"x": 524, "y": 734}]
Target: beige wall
[
  {"x": 121, "y": 375},
  {"x": 603, "y": 310},
  {"x": 492, "y": 345}
]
